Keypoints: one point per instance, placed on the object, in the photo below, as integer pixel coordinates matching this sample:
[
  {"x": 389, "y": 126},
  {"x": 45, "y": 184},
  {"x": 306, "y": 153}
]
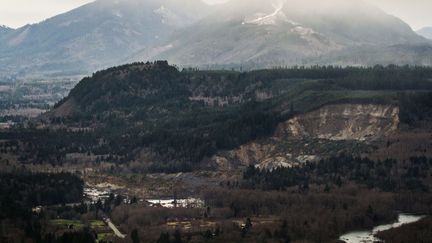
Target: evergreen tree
[{"x": 135, "y": 236}]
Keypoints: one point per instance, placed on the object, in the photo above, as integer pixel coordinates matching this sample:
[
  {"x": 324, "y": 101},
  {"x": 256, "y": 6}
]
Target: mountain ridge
[
  {"x": 96, "y": 35},
  {"x": 425, "y": 32},
  {"x": 4, "y": 30},
  {"x": 245, "y": 33}
]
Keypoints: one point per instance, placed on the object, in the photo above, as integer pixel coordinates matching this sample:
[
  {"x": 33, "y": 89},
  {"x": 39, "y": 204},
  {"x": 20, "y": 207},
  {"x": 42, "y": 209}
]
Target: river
[{"x": 369, "y": 236}]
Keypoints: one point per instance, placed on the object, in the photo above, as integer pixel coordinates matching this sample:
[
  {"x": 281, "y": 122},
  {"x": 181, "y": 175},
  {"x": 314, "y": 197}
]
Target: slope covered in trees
[
  {"x": 21, "y": 191},
  {"x": 389, "y": 175},
  {"x": 172, "y": 120}
]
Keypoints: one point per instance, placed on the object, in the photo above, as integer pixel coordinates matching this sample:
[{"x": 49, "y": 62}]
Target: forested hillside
[
  {"x": 155, "y": 112},
  {"x": 21, "y": 191}
]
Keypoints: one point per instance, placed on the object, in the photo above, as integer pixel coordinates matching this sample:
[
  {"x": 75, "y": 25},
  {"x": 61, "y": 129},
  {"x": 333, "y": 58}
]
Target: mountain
[
  {"x": 248, "y": 33},
  {"x": 99, "y": 34},
  {"x": 291, "y": 32},
  {"x": 425, "y": 32},
  {"x": 4, "y": 30}
]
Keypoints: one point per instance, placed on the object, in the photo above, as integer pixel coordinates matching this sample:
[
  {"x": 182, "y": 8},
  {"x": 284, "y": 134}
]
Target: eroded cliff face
[
  {"x": 310, "y": 136},
  {"x": 245, "y": 155},
  {"x": 343, "y": 122}
]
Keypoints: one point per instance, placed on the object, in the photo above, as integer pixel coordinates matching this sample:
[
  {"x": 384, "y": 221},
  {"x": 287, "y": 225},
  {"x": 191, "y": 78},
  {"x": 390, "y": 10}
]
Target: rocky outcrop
[{"x": 245, "y": 155}]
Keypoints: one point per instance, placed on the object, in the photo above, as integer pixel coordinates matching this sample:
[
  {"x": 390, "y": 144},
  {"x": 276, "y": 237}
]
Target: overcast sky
[{"x": 16, "y": 13}]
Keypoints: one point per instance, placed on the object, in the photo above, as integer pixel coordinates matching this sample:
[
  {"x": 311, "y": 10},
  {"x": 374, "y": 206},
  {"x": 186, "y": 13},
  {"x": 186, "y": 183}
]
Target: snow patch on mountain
[
  {"x": 303, "y": 31},
  {"x": 269, "y": 19},
  {"x": 68, "y": 23},
  {"x": 168, "y": 17},
  {"x": 118, "y": 14}
]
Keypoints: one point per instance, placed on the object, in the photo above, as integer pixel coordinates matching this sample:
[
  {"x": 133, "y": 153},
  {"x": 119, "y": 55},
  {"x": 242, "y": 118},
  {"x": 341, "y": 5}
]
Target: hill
[{"x": 173, "y": 120}]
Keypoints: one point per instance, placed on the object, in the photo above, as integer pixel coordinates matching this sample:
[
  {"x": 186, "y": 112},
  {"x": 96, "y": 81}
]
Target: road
[{"x": 114, "y": 228}]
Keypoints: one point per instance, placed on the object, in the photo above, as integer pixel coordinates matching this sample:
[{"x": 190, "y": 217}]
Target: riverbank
[
  {"x": 370, "y": 236},
  {"x": 420, "y": 231}
]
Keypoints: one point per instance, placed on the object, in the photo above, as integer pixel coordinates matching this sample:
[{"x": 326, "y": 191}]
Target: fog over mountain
[
  {"x": 272, "y": 33},
  {"x": 425, "y": 32},
  {"x": 252, "y": 33},
  {"x": 94, "y": 36}
]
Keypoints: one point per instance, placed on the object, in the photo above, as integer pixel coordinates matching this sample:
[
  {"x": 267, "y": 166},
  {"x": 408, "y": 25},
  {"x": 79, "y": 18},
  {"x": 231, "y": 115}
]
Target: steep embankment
[
  {"x": 310, "y": 136},
  {"x": 344, "y": 122}
]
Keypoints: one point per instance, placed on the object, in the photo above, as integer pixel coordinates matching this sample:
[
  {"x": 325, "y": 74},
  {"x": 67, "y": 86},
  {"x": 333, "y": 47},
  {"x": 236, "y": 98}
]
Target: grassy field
[
  {"x": 103, "y": 232},
  {"x": 97, "y": 223},
  {"x": 72, "y": 224},
  {"x": 104, "y": 237}
]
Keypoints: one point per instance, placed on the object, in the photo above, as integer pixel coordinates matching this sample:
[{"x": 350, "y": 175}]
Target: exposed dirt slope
[
  {"x": 307, "y": 137},
  {"x": 343, "y": 122}
]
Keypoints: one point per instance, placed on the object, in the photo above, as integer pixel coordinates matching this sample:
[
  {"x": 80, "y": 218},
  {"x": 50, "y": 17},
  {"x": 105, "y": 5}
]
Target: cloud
[
  {"x": 16, "y": 13},
  {"x": 215, "y": 1},
  {"x": 416, "y": 13}
]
